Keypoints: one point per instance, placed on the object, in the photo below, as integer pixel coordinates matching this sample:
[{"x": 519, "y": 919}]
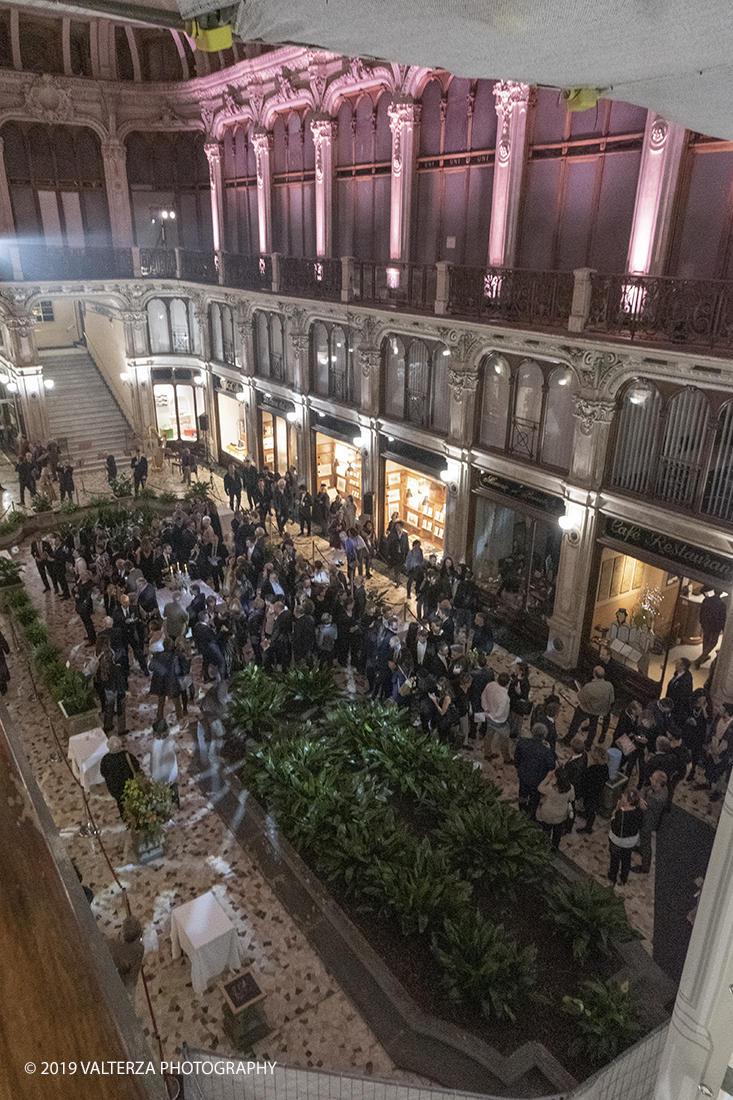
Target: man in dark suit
[
  {"x": 679, "y": 690},
  {"x": 397, "y": 548}
]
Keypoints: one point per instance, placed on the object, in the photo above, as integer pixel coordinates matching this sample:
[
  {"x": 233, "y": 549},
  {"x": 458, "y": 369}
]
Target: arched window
[
  {"x": 269, "y": 341},
  {"x": 683, "y": 446},
  {"x": 525, "y": 434},
  {"x": 332, "y": 363},
  {"x": 558, "y": 426},
  {"x": 180, "y": 328},
  {"x": 416, "y": 382},
  {"x": 718, "y": 499},
  {"x": 221, "y": 327},
  {"x": 394, "y": 378},
  {"x": 497, "y": 380},
  {"x": 320, "y": 358},
  {"x": 637, "y": 438},
  {"x": 160, "y": 341}
]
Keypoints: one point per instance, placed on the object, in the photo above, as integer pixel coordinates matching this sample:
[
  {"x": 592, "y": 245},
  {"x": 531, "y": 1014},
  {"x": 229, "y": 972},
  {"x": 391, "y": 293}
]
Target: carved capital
[
  {"x": 22, "y": 327},
  {"x": 590, "y": 413},
  {"x": 370, "y": 360},
  {"x": 403, "y": 115},
  {"x": 136, "y": 319},
  {"x": 262, "y": 144},
  {"x": 658, "y": 134},
  {"x": 324, "y": 132},
  {"x": 462, "y": 382},
  {"x": 509, "y": 97}
]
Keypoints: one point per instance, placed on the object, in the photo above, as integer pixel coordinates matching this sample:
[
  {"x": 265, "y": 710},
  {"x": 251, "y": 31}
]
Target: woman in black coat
[{"x": 165, "y": 678}]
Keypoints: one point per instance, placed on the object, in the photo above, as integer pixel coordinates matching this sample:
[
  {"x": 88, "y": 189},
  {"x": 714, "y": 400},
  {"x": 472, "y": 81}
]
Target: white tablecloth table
[
  {"x": 202, "y": 929},
  {"x": 86, "y": 751}
]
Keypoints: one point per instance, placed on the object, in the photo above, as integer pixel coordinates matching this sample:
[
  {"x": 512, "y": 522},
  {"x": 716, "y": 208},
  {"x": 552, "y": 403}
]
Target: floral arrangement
[{"x": 146, "y": 806}]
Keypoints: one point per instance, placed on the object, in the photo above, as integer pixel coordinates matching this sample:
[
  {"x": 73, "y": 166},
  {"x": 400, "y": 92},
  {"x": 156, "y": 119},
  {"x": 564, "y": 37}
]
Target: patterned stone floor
[{"x": 314, "y": 1023}]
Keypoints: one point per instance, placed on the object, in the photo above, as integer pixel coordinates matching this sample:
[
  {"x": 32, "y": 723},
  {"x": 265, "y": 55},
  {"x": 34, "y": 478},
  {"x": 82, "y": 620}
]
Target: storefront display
[
  {"x": 177, "y": 409},
  {"x": 516, "y": 558},
  {"x": 339, "y": 466},
  {"x": 232, "y": 434},
  {"x": 646, "y": 609},
  {"x": 279, "y": 442},
  {"x": 420, "y": 503}
]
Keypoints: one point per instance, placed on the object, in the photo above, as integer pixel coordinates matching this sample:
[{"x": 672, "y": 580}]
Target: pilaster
[
  {"x": 566, "y": 623},
  {"x": 463, "y": 385},
  {"x": 32, "y": 396},
  {"x": 698, "y": 1046},
  {"x": 655, "y": 191},
  {"x": 511, "y": 100},
  {"x": 214, "y": 152},
  {"x": 457, "y": 500},
  {"x": 323, "y": 129},
  {"x": 369, "y": 362},
  {"x": 299, "y": 343},
  {"x": 135, "y": 327},
  {"x": 7, "y": 224},
  {"x": 404, "y": 118},
  {"x": 114, "y": 159},
  {"x": 593, "y": 419},
  {"x": 262, "y": 144}
]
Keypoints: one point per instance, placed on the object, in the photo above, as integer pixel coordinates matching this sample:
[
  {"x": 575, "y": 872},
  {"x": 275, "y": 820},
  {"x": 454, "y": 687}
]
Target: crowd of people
[
  {"x": 42, "y": 471},
  {"x": 253, "y": 597}
]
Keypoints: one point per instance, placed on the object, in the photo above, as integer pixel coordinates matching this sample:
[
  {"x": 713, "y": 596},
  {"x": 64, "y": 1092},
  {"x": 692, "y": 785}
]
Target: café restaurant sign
[
  {"x": 524, "y": 493},
  {"x": 684, "y": 554}
]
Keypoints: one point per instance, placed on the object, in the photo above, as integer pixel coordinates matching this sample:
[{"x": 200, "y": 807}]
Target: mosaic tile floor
[{"x": 314, "y": 1023}]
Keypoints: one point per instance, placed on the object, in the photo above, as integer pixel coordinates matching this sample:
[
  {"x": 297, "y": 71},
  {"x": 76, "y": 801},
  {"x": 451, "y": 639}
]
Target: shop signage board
[
  {"x": 691, "y": 559},
  {"x": 546, "y": 502}
]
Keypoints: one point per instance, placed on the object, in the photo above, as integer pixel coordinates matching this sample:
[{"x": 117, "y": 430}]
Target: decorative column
[
  {"x": 369, "y": 363},
  {"x": 114, "y": 158},
  {"x": 28, "y": 376},
  {"x": 243, "y": 325},
  {"x": 457, "y": 499},
  {"x": 7, "y": 225},
  {"x": 698, "y": 1046},
  {"x": 262, "y": 143},
  {"x": 565, "y": 626},
  {"x": 593, "y": 419},
  {"x": 214, "y": 152},
  {"x": 660, "y": 166},
  {"x": 404, "y": 117},
  {"x": 323, "y": 128},
  {"x": 511, "y": 109}
]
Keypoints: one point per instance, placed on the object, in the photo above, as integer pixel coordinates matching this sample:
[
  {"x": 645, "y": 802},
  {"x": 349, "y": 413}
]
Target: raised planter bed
[
  {"x": 79, "y": 723},
  {"x": 7, "y": 593}
]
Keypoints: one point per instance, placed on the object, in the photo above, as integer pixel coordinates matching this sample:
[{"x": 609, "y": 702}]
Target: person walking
[
  {"x": 712, "y": 623},
  {"x": 139, "y": 467},
  {"x": 496, "y": 707},
  {"x": 84, "y": 606},
  {"x": 595, "y": 699},
  {"x": 654, "y": 799},
  {"x": 111, "y": 468},
  {"x": 555, "y": 809},
  {"x": 163, "y": 762},
  {"x": 624, "y": 836},
  {"x": 26, "y": 477}
]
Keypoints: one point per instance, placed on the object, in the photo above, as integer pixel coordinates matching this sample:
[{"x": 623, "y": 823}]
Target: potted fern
[
  {"x": 146, "y": 807},
  {"x": 77, "y": 701},
  {"x": 10, "y": 582}
]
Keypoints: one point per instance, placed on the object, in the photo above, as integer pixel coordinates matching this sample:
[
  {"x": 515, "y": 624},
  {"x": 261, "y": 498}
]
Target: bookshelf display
[
  {"x": 339, "y": 465},
  {"x": 420, "y": 501},
  {"x": 279, "y": 443}
]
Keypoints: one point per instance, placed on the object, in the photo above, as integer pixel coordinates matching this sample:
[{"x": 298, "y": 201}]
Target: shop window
[
  {"x": 338, "y": 467},
  {"x": 527, "y": 410},
  {"x": 637, "y": 438},
  {"x": 419, "y": 502},
  {"x": 269, "y": 346},
  {"x": 170, "y": 326},
  {"x": 279, "y": 442},
  {"x": 416, "y": 382},
  {"x": 232, "y": 434},
  {"x": 221, "y": 329},
  {"x": 718, "y": 498},
  {"x": 332, "y": 363},
  {"x": 516, "y": 558},
  {"x": 177, "y": 409}
]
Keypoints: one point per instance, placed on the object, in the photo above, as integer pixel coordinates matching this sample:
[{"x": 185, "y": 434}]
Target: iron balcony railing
[{"x": 696, "y": 313}]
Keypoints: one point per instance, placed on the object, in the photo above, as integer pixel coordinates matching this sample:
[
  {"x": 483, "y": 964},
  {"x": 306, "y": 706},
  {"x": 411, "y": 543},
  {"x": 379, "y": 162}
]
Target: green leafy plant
[
  {"x": 416, "y": 890},
  {"x": 36, "y": 633},
  {"x": 12, "y": 522},
  {"x": 350, "y": 847},
  {"x": 256, "y": 701},
  {"x": 41, "y": 503},
  {"x": 78, "y": 693},
  {"x": 46, "y": 653},
  {"x": 608, "y": 1019},
  {"x": 146, "y": 806},
  {"x": 10, "y": 574},
  {"x": 495, "y": 843},
  {"x": 587, "y": 916},
  {"x": 25, "y": 614},
  {"x": 484, "y": 966},
  {"x": 308, "y": 687},
  {"x": 147, "y": 494},
  {"x": 167, "y": 497},
  {"x": 68, "y": 507},
  {"x": 121, "y": 486},
  {"x": 101, "y": 500},
  {"x": 198, "y": 491}
]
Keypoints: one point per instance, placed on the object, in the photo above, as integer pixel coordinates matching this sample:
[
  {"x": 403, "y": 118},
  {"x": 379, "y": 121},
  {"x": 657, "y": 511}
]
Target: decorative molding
[
  {"x": 48, "y": 100},
  {"x": 403, "y": 115},
  {"x": 461, "y": 382},
  {"x": 370, "y": 360},
  {"x": 590, "y": 413}
]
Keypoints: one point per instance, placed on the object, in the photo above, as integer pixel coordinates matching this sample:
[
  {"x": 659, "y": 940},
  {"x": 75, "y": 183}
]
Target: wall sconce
[
  {"x": 199, "y": 380},
  {"x": 450, "y": 476},
  {"x": 568, "y": 527},
  {"x": 241, "y": 396},
  {"x": 359, "y": 441},
  {"x": 125, "y": 377},
  {"x": 48, "y": 383},
  {"x": 4, "y": 379},
  {"x": 291, "y": 417},
  {"x": 13, "y": 387}
]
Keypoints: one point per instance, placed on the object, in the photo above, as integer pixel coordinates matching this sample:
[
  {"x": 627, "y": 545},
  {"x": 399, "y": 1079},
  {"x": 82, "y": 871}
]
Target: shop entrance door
[{"x": 279, "y": 443}]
